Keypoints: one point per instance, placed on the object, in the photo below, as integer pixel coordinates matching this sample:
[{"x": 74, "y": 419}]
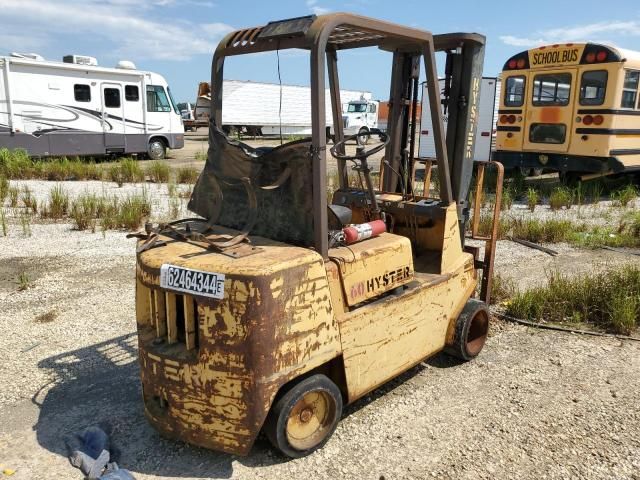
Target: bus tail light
[
  {"x": 598, "y": 119},
  {"x": 507, "y": 119},
  {"x": 513, "y": 64},
  {"x": 591, "y": 57},
  {"x": 601, "y": 56},
  {"x": 520, "y": 63},
  {"x": 587, "y": 119}
]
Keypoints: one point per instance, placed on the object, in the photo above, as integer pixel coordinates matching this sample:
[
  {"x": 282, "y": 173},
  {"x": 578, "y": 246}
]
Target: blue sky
[{"x": 176, "y": 38}]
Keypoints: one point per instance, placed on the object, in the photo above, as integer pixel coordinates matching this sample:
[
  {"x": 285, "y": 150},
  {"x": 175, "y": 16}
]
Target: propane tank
[{"x": 362, "y": 231}]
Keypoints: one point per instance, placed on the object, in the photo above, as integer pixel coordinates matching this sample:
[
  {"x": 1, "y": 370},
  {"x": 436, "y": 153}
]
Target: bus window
[
  {"x": 630, "y": 89},
  {"x": 551, "y": 89},
  {"x": 593, "y": 87},
  {"x": 514, "y": 91}
]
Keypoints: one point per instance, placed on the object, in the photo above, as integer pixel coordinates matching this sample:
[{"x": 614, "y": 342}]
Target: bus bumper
[{"x": 558, "y": 162}]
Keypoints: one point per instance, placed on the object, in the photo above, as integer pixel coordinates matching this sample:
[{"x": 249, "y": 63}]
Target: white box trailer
[
  {"x": 487, "y": 117},
  {"x": 62, "y": 108},
  {"x": 256, "y": 108}
]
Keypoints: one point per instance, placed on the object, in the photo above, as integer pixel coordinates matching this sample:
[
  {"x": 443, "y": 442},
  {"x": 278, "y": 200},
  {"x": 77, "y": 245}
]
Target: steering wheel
[{"x": 360, "y": 152}]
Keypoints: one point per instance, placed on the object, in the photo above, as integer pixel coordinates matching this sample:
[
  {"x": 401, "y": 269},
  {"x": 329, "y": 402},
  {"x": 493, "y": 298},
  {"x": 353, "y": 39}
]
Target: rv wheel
[
  {"x": 303, "y": 419},
  {"x": 156, "y": 150},
  {"x": 363, "y": 136},
  {"x": 472, "y": 327}
]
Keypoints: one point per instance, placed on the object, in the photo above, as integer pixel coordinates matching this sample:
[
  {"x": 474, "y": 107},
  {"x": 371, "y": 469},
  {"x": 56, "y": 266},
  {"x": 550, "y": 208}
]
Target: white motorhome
[
  {"x": 256, "y": 108},
  {"x": 75, "y": 107},
  {"x": 485, "y": 130}
]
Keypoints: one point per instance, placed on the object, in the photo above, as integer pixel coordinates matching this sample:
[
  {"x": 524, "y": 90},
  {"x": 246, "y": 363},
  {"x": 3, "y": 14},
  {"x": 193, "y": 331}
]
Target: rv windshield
[
  {"x": 357, "y": 108},
  {"x": 173, "y": 102}
]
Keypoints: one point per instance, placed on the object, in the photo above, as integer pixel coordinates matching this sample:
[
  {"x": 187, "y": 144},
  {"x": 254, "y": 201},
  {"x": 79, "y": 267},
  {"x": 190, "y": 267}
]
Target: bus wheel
[
  {"x": 157, "y": 149},
  {"x": 364, "y": 136},
  {"x": 472, "y": 328},
  {"x": 303, "y": 419}
]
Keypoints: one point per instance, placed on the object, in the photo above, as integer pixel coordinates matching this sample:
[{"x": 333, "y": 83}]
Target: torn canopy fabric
[{"x": 280, "y": 177}]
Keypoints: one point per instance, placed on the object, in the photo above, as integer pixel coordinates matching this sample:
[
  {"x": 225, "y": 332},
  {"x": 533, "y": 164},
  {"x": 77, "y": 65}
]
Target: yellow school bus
[{"x": 572, "y": 109}]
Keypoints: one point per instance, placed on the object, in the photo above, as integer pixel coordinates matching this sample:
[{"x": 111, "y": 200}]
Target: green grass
[
  {"x": 16, "y": 164},
  {"x": 507, "y": 199},
  {"x": 502, "y": 289},
  {"x": 125, "y": 170},
  {"x": 25, "y": 223},
  {"x": 624, "y": 196},
  {"x": 609, "y": 300},
  {"x": 28, "y": 200},
  {"x": 158, "y": 171},
  {"x": 560, "y": 197},
  {"x": 187, "y": 175},
  {"x": 3, "y": 222},
  {"x": 58, "y": 204},
  {"x": 24, "y": 281},
  {"x": 543, "y": 231},
  {"x": 626, "y": 234},
  {"x": 4, "y": 188},
  {"x": 532, "y": 198},
  {"x": 13, "y": 193},
  {"x": 90, "y": 210},
  {"x": 132, "y": 211}
]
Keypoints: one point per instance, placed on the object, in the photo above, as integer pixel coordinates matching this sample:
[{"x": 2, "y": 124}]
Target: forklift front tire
[
  {"x": 471, "y": 330},
  {"x": 304, "y": 418}
]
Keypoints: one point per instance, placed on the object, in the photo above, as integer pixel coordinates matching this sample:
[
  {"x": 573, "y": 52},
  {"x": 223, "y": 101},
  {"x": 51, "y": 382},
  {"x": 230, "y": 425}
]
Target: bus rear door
[{"x": 549, "y": 112}]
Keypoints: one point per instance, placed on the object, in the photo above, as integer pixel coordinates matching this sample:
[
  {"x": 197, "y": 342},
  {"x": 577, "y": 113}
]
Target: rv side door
[{"x": 113, "y": 122}]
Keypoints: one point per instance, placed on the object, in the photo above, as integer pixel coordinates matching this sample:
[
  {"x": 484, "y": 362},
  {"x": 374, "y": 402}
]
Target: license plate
[{"x": 207, "y": 284}]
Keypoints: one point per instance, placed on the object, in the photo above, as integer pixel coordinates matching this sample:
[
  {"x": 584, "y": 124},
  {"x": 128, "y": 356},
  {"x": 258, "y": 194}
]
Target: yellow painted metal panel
[{"x": 172, "y": 328}]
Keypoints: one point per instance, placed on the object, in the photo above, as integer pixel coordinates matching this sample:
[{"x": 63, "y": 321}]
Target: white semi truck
[
  {"x": 76, "y": 107},
  {"x": 258, "y": 108}
]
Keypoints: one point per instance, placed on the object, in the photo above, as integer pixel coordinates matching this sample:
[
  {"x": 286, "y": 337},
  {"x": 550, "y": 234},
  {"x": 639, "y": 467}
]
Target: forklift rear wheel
[
  {"x": 303, "y": 419},
  {"x": 363, "y": 136},
  {"x": 472, "y": 327}
]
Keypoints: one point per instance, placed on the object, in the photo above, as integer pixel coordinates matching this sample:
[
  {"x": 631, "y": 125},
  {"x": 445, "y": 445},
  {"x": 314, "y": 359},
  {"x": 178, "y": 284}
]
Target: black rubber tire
[
  {"x": 363, "y": 139},
  {"x": 275, "y": 426},
  {"x": 569, "y": 179},
  {"x": 156, "y": 150},
  {"x": 472, "y": 327}
]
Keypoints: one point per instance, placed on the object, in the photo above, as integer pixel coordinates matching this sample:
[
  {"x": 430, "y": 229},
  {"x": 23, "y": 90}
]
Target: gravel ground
[{"x": 535, "y": 404}]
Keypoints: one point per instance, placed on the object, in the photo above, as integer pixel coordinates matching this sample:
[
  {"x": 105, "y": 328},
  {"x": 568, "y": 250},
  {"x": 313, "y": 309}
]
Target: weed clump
[
  {"x": 560, "y": 197},
  {"x": 158, "y": 171},
  {"x": 4, "y": 188},
  {"x": 58, "y": 206},
  {"x": 532, "y": 198},
  {"x": 187, "y": 175},
  {"x": 126, "y": 170},
  {"x": 624, "y": 196},
  {"x": 609, "y": 300}
]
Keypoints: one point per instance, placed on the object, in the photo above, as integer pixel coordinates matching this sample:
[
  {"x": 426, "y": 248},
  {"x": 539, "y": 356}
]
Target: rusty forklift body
[{"x": 254, "y": 317}]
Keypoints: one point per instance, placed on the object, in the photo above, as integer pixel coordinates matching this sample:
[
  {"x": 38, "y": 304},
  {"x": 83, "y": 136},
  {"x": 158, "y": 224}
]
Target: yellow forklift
[{"x": 272, "y": 309}]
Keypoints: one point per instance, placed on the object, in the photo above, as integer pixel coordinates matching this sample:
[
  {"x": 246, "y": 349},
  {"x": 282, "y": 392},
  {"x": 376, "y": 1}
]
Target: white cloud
[
  {"x": 317, "y": 9},
  {"x": 127, "y": 26},
  {"x": 577, "y": 33}
]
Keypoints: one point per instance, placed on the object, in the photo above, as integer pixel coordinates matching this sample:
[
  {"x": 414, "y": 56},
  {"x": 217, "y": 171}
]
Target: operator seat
[{"x": 339, "y": 216}]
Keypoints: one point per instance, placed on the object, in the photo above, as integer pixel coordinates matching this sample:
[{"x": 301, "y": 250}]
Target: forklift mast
[{"x": 460, "y": 97}]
